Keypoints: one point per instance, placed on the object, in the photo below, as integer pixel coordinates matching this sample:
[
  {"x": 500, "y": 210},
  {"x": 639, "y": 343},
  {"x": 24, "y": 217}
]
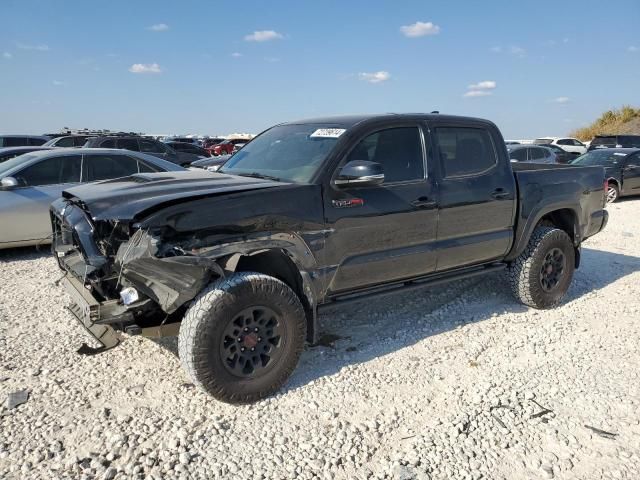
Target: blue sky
[{"x": 535, "y": 68}]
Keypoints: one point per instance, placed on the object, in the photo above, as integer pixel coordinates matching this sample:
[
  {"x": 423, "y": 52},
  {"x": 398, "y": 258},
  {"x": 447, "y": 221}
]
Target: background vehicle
[
  {"x": 68, "y": 141},
  {"x": 182, "y": 140},
  {"x": 7, "y": 153},
  {"x": 615, "y": 141},
  {"x": 622, "y": 169},
  {"x": 145, "y": 145},
  {"x": 30, "y": 182},
  {"x": 572, "y": 145},
  {"x": 310, "y": 214},
  {"x": 531, "y": 153},
  {"x": 562, "y": 156},
  {"x": 189, "y": 148},
  {"x": 211, "y": 163},
  {"x": 22, "y": 140},
  {"x": 226, "y": 147}
]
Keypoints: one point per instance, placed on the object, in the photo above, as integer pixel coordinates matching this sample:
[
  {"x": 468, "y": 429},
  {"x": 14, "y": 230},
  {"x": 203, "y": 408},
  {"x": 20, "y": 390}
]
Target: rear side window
[
  {"x": 520, "y": 155},
  {"x": 128, "y": 144},
  {"x": 604, "y": 141},
  {"x": 51, "y": 171},
  {"x": 399, "y": 150},
  {"x": 565, "y": 141},
  {"x": 65, "y": 142},
  {"x": 144, "y": 168},
  {"x": 629, "y": 141},
  {"x": 150, "y": 147},
  {"x": 104, "y": 167},
  {"x": 108, "y": 143},
  {"x": 536, "y": 153},
  {"x": 15, "y": 142},
  {"x": 36, "y": 142},
  {"x": 465, "y": 151}
]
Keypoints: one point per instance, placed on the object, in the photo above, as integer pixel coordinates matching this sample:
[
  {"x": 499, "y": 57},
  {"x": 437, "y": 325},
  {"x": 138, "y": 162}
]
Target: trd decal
[{"x": 348, "y": 203}]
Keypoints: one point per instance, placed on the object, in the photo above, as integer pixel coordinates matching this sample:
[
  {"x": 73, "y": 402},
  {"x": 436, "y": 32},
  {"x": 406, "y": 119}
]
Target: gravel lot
[{"x": 458, "y": 381}]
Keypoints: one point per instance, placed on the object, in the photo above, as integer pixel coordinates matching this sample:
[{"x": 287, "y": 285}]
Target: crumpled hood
[{"x": 125, "y": 198}]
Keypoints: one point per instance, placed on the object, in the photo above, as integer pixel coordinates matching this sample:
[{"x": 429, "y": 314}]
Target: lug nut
[
  {"x": 255, "y": 329},
  {"x": 253, "y": 349},
  {"x": 246, "y": 329},
  {"x": 239, "y": 339},
  {"x": 259, "y": 339},
  {"x": 242, "y": 349}
]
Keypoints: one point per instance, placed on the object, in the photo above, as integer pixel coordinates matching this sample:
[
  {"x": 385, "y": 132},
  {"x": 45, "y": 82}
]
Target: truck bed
[{"x": 547, "y": 187}]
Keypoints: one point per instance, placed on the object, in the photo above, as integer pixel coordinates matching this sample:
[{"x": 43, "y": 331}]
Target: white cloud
[
  {"x": 159, "y": 27},
  {"x": 633, "y": 49},
  {"x": 39, "y": 48},
  {"x": 561, "y": 100},
  {"x": 481, "y": 89},
  {"x": 145, "y": 68},
  {"x": 58, "y": 83},
  {"x": 485, "y": 85},
  {"x": 7, "y": 55},
  {"x": 236, "y": 54},
  {"x": 517, "y": 51},
  {"x": 263, "y": 36},
  {"x": 478, "y": 93},
  {"x": 375, "y": 77},
  {"x": 420, "y": 29}
]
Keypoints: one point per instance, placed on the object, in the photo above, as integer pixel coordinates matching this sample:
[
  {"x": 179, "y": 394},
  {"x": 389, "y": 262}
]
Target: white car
[{"x": 568, "y": 144}]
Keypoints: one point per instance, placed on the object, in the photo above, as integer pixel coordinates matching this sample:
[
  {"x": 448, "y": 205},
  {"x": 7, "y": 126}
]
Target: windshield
[
  {"x": 14, "y": 162},
  {"x": 604, "y": 141},
  {"x": 289, "y": 152},
  {"x": 599, "y": 157}
]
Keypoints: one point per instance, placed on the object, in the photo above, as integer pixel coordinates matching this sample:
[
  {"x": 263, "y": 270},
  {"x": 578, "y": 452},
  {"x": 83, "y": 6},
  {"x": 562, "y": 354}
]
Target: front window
[
  {"x": 599, "y": 157},
  {"x": 289, "y": 152}
]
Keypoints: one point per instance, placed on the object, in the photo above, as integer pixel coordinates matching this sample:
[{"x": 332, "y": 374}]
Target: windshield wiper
[{"x": 258, "y": 175}]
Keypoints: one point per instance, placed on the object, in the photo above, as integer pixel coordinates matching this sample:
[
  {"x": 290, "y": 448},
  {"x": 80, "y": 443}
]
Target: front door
[
  {"x": 386, "y": 232},
  {"x": 25, "y": 209}
]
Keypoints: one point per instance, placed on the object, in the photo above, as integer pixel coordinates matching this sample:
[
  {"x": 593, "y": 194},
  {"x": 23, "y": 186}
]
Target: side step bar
[{"x": 410, "y": 285}]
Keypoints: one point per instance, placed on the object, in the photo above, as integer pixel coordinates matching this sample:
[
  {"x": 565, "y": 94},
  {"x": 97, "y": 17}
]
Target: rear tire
[
  {"x": 613, "y": 192},
  {"x": 541, "y": 275},
  {"x": 242, "y": 337}
]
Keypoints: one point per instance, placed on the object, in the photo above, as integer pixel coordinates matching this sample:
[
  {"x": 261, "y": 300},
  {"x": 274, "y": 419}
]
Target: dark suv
[
  {"x": 68, "y": 141},
  {"x": 22, "y": 140},
  {"x": 615, "y": 141},
  {"x": 140, "y": 144}
]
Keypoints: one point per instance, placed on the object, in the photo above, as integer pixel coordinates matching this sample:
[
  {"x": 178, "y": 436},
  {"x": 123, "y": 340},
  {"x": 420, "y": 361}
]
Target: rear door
[
  {"x": 26, "y": 208},
  {"x": 477, "y": 195},
  {"x": 631, "y": 174},
  {"x": 385, "y": 232}
]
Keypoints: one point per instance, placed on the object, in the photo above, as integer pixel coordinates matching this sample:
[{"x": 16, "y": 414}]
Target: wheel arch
[{"x": 280, "y": 264}]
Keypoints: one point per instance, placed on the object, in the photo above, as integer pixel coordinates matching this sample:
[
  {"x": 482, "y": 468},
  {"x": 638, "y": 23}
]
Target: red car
[
  {"x": 226, "y": 147},
  {"x": 209, "y": 143}
]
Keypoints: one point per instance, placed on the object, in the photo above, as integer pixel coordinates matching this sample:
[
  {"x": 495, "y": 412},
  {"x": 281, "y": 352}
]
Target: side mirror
[
  {"x": 360, "y": 173},
  {"x": 8, "y": 183}
]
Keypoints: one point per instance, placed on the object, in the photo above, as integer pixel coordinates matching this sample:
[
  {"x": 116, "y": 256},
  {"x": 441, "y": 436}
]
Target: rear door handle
[
  {"x": 500, "y": 193},
  {"x": 423, "y": 202}
]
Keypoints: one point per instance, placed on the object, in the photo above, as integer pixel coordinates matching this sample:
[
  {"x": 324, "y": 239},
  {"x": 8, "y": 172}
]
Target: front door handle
[
  {"x": 500, "y": 193},
  {"x": 423, "y": 202}
]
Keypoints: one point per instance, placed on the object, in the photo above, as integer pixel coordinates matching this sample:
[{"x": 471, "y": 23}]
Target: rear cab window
[{"x": 465, "y": 151}]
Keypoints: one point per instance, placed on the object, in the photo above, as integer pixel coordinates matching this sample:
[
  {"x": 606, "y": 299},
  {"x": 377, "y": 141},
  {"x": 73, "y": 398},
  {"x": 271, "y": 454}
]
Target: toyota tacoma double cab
[{"x": 312, "y": 214}]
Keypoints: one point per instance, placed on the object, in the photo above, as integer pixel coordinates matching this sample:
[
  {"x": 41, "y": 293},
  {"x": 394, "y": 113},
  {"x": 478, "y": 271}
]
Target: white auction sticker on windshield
[{"x": 327, "y": 133}]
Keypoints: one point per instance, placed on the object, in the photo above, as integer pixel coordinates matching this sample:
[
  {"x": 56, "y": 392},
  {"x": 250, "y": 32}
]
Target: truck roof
[{"x": 348, "y": 121}]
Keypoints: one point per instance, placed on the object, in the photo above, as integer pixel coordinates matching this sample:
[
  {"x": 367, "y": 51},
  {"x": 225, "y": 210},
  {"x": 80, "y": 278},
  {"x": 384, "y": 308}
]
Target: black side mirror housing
[{"x": 360, "y": 173}]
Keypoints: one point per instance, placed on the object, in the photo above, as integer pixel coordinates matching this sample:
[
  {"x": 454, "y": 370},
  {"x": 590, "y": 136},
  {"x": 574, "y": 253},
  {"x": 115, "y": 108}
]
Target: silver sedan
[{"x": 30, "y": 182}]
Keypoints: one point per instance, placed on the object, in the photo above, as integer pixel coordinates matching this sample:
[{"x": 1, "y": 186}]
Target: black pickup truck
[{"x": 309, "y": 214}]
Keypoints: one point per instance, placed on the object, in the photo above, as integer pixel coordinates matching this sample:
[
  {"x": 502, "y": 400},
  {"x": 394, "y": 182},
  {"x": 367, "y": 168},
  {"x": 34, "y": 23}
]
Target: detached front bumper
[{"x": 90, "y": 312}]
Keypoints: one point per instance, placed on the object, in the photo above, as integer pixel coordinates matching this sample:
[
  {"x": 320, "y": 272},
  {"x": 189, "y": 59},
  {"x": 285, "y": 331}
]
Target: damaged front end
[{"x": 122, "y": 278}]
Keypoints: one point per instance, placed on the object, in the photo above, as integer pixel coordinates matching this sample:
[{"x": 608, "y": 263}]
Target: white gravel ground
[{"x": 451, "y": 382}]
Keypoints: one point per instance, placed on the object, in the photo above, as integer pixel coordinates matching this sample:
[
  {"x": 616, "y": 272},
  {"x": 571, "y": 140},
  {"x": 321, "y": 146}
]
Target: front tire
[
  {"x": 541, "y": 275},
  {"x": 242, "y": 337}
]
